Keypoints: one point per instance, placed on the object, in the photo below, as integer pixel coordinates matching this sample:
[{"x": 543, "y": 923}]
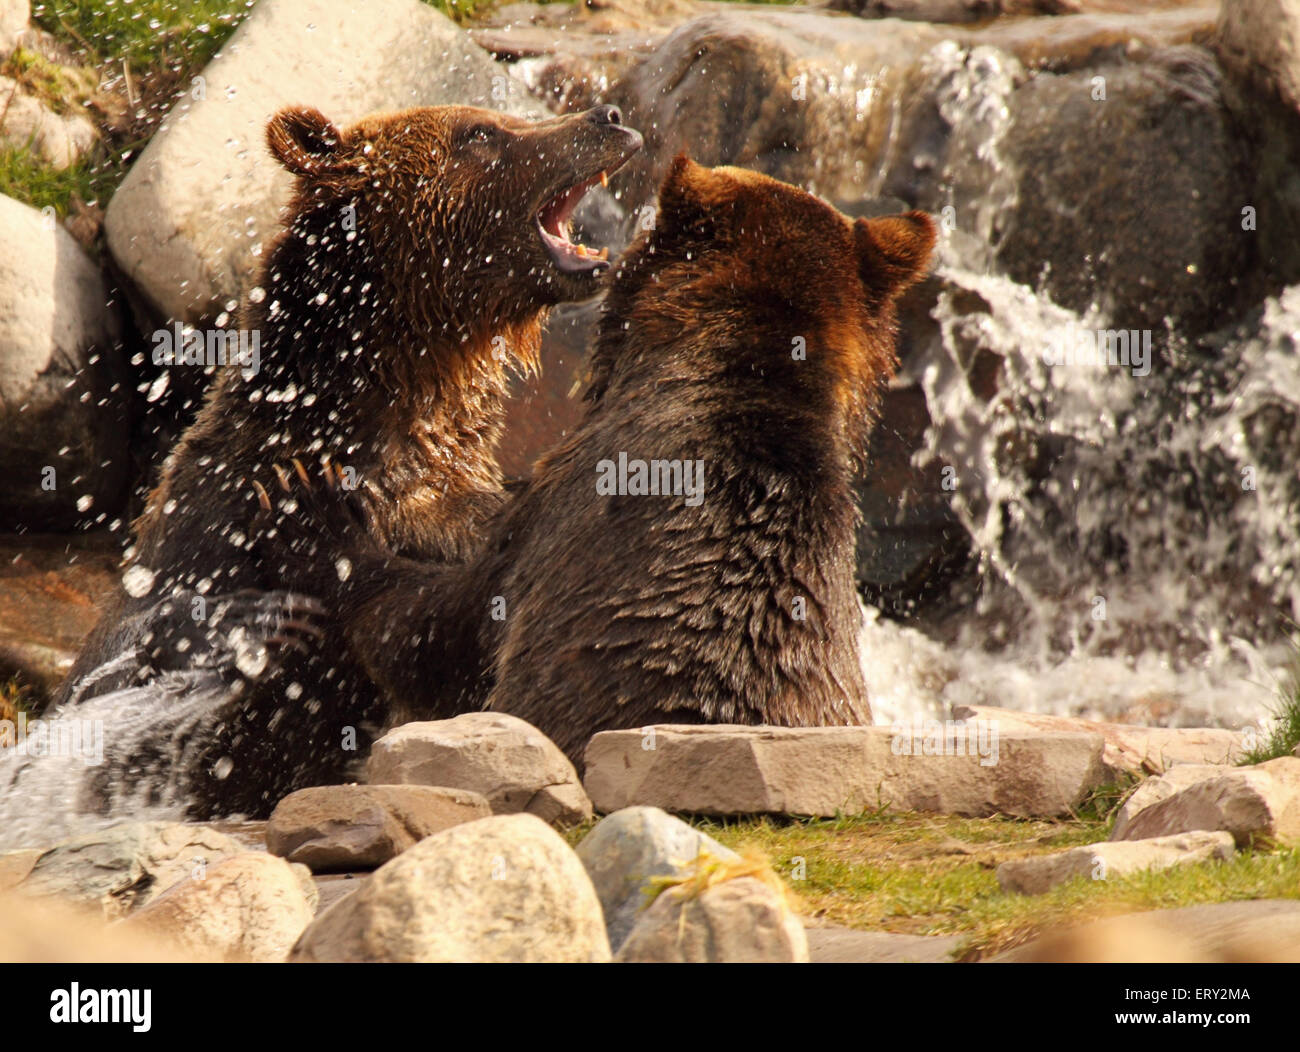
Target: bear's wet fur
[
  {"x": 749, "y": 335},
  {"x": 420, "y": 254}
]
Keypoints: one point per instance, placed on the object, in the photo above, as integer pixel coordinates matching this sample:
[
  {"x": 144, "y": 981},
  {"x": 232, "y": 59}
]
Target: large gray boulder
[
  {"x": 509, "y": 761},
  {"x": 505, "y": 889},
  {"x": 739, "y": 921},
  {"x": 251, "y": 907},
  {"x": 197, "y": 209},
  {"x": 629, "y": 848},
  {"x": 63, "y": 429}
]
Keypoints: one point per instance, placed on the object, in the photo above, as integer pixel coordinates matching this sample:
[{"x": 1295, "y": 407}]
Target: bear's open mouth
[{"x": 554, "y": 223}]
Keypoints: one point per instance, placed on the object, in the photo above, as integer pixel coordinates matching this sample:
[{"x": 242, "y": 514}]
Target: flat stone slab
[
  {"x": 835, "y": 945},
  {"x": 1263, "y": 930},
  {"x": 1129, "y": 748},
  {"x": 1034, "y": 876},
  {"x": 824, "y": 771}
]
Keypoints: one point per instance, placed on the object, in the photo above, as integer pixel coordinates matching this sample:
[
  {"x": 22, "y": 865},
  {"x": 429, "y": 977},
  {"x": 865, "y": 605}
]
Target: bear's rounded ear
[
  {"x": 893, "y": 252},
  {"x": 304, "y": 140},
  {"x": 680, "y": 192}
]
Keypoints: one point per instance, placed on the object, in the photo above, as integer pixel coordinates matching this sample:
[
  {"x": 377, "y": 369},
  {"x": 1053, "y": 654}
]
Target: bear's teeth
[
  {"x": 603, "y": 253},
  {"x": 604, "y": 179},
  {"x": 582, "y": 250}
]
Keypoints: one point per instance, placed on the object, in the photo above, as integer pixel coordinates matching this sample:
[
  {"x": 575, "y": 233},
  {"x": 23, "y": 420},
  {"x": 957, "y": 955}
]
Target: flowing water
[
  {"x": 1135, "y": 536},
  {"x": 1133, "y": 527},
  {"x": 1132, "y": 518}
]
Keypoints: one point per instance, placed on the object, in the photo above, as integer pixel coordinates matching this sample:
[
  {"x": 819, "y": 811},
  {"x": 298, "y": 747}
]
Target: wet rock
[
  {"x": 954, "y": 10},
  {"x": 63, "y": 431},
  {"x": 1160, "y": 144},
  {"x": 509, "y": 761},
  {"x": 127, "y": 866},
  {"x": 626, "y": 849},
  {"x": 50, "y": 590},
  {"x": 249, "y": 908},
  {"x": 786, "y": 93},
  {"x": 826, "y": 771},
  {"x": 1252, "y": 803},
  {"x": 738, "y": 921},
  {"x": 1263, "y": 931},
  {"x": 1129, "y": 749},
  {"x": 568, "y": 55},
  {"x": 352, "y": 827},
  {"x": 1261, "y": 40},
  {"x": 502, "y": 889},
  {"x": 1153, "y": 790},
  {"x": 854, "y": 109},
  {"x": 1034, "y": 876},
  {"x": 192, "y": 216}
]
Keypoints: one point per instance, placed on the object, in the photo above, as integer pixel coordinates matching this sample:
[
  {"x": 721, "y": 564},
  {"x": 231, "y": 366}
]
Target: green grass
[
  {"x": 936, "y": 875},
  {"x": 25, "y": 178},
  {"x": 145, "y": 32},
  {"x": 63, "y": 89},
  {"x": 158, "y": 42},
  {"x": 1284, "y": 736}
]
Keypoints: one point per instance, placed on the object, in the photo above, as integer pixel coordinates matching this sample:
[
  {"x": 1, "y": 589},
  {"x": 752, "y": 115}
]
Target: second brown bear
[{"x": 686, "y": 555}]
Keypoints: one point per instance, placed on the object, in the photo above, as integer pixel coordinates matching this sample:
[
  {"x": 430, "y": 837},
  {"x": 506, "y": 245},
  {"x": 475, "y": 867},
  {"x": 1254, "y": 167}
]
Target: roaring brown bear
[
  {"x": 687, "y": 553},
  {"x": 420, "y": 255}
]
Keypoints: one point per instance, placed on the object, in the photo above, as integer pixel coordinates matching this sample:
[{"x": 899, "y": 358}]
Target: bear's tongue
[{"x": 553, "y": 224}]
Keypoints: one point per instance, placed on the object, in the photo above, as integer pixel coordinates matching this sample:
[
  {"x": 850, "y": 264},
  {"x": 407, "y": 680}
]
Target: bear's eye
[{"x": 482, "y": 133}]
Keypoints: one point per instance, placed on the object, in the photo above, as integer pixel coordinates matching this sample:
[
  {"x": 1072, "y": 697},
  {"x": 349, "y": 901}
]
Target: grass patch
[
  {"x": 1284, "y": 736},
  {"x": 64, "y": 89},
  {"x": 27, "y": 179},
  {"x": 143, "y": 32},
  {"x": 134, "y": 55},
  {"x": 936, "y": 875}
]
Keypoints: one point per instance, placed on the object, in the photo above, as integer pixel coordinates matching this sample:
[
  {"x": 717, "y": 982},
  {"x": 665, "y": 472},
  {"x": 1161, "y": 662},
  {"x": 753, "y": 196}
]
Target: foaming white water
[
  {"x": 1137, "y": 555},
  {"x": 149, "y": 733},
  {"x": 910, "y": 675}
]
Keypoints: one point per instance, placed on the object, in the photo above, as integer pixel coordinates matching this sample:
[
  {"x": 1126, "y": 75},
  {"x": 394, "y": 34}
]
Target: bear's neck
[
  {"x": 735, "y": 397},
  {"x": 416, "y": 406}
]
